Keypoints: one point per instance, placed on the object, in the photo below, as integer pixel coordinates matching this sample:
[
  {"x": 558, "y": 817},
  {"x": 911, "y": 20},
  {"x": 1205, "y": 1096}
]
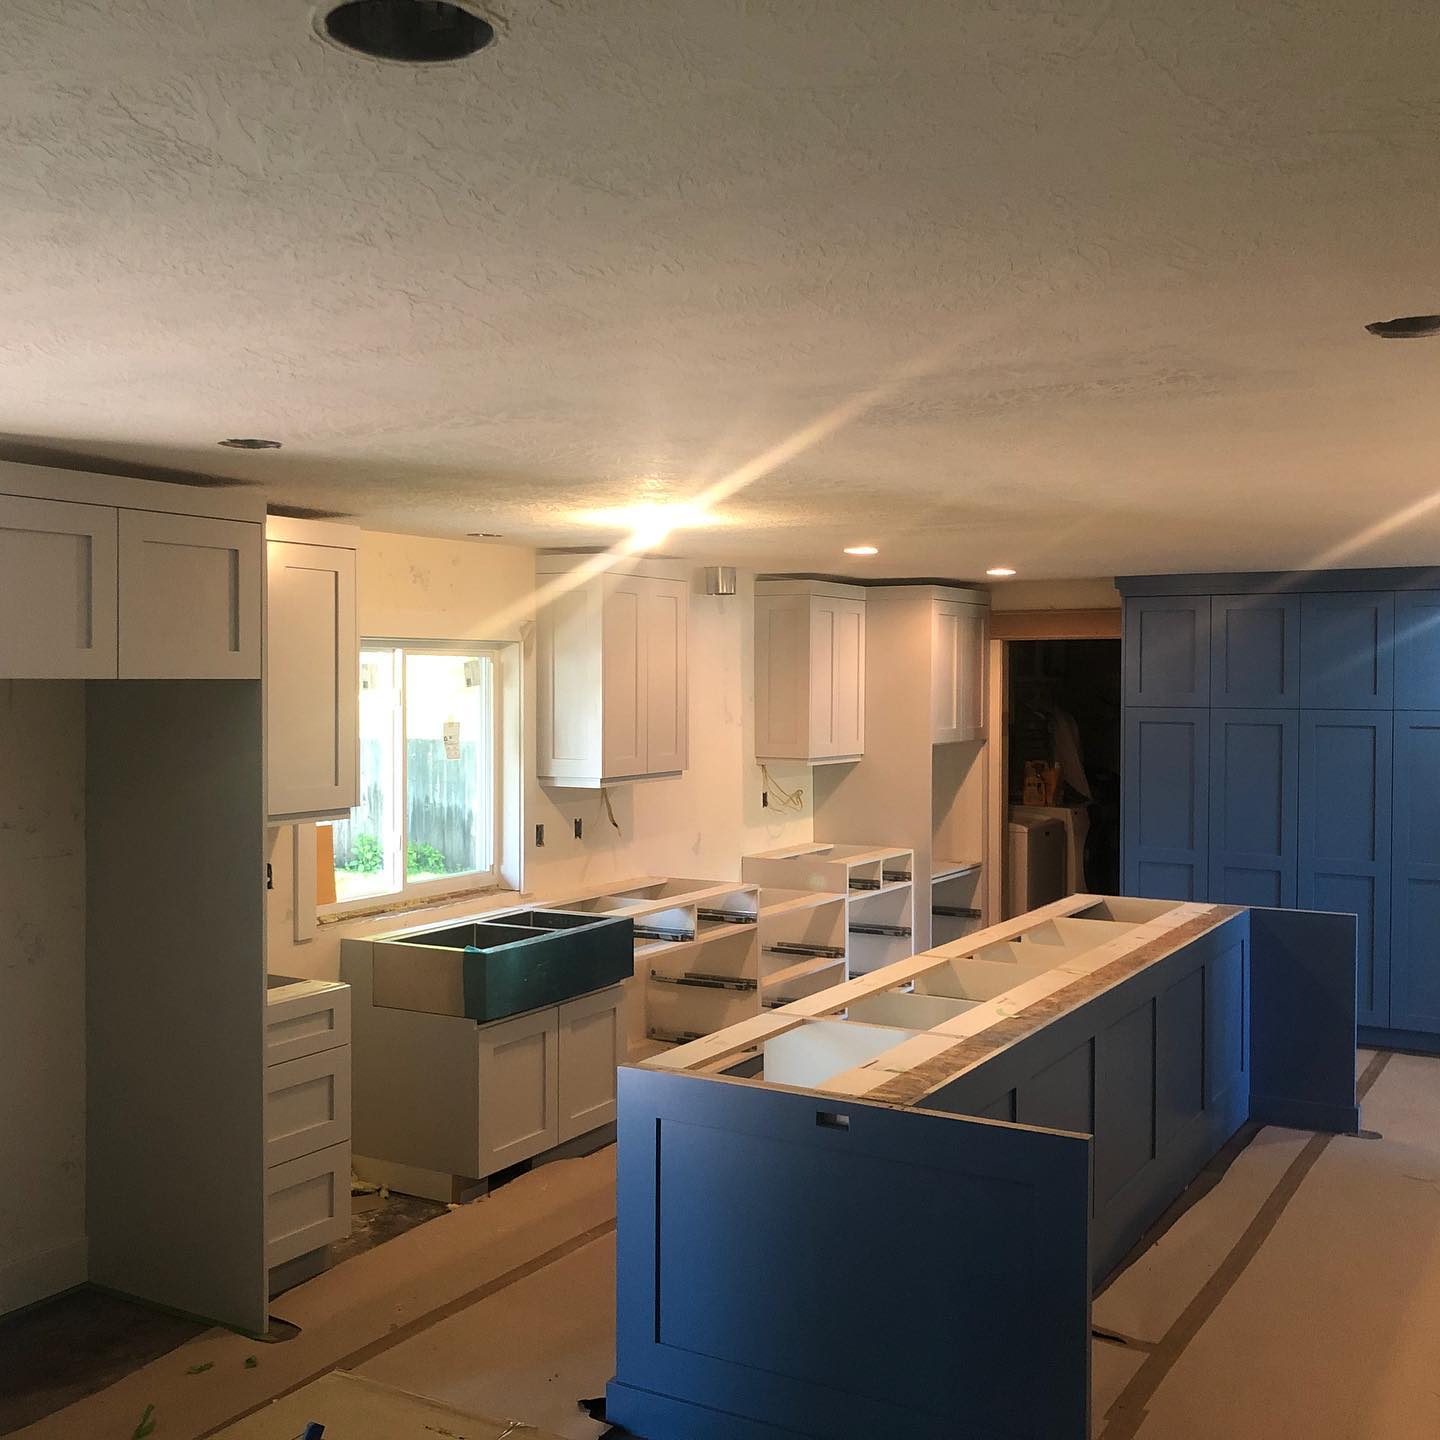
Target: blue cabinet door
[
  {"x": 1255, "y": 650},
  {"x": 1254, "y": 792},
  {"x": 1415, "y": 893},
  {"x": 1417, "y": 650},
  {"x": 1167, "y": 650},
  {"x": 1345, "y": 824},
  {"x": 1347, "y": 657},
  {"x": 1165, "y": 812}
]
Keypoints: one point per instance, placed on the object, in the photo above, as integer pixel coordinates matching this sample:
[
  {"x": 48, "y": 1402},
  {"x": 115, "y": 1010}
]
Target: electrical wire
[
  {"x": 609, "y": 808},
  {"x": 784, "y": 799}
]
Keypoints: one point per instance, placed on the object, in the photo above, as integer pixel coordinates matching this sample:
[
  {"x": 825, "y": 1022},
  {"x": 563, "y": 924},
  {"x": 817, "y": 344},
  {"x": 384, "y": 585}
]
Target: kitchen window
[{"x": 428, "y": 818}]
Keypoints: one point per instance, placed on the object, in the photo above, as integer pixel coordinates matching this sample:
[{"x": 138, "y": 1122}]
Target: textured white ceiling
[{"x": 1098, "y": 271}]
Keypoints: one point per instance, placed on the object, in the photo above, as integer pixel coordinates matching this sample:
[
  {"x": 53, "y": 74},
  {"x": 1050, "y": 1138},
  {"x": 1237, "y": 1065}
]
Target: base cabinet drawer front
[
  {"x": 519, "y": 1081},
  {"x": 57, "y": 590},
  {"x": 307, "y": 1204},
  {"x": 590, "y": 1055},
  {"x": 307, "y": 1024},
  {"x": 190, "y": 597},
  {"x": 307, "y": 1105}
]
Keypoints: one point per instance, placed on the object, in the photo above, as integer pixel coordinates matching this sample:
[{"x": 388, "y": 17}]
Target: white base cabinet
[{"x": 307, "y": 1118}]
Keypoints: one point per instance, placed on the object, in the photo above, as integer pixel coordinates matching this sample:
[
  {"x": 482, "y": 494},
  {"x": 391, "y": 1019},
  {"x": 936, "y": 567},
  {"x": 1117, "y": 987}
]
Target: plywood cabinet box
[
  {"x": 312, "y": 670},
  {"x": 1042, "y": 1090},
  {"x": 809, "y": 671},
  {"x": 105, "y": 578},
  {"x": 611, "y": 680}
]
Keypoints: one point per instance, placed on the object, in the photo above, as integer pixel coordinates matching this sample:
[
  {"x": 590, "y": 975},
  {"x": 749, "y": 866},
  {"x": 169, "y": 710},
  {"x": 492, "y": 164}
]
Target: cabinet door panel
[
  {"x": 190, "y": 597},
  {"x": 1415, "y": 917},
  {"x": 783, "y": 660},
  {"x": 591, "y": 1052},
  {"x": 57, "y": 590},
  {"x": 519, "y": 1085},
  {"x": 1255, "y": 650},
  {"x": 1167, "y": 650},
  {"x": 837, "y": 677},
  {"x": 957, "y": 678},
  {"x": 667, "y": 717},
  {"x": 312, "y": 680},
  {"x": 1166, "y": 808},
  {"x": 1254, "y": 790},
  {"x": 626, "y": 702},
  {"x": 1345, "y": 835},
  {"x": 1417, "y": 650},
  {"x": 1347, "y": 651}
]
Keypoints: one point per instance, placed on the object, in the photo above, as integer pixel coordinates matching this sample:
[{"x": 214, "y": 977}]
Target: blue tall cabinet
[{"x": 1282, "y": 748}]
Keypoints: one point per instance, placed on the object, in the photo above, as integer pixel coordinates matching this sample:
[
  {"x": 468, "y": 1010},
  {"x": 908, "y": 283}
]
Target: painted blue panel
[
  {"x": 1124, "y": 1100},
  {"x": 1254, "y": 795},
  {"x": 1167, "y": 650},
  {"x": 1302, "y": 1007},
  {"x": 1227, "y": 1036},
  {"x": 1345, "y": 793},
  {"x": 720, "y": 1182},
  {"x": 1060, "y": 1095},
  {"x": 1179, "y": 1056},
  {"x": 1255, "y": 650},
  {"x": 1347, "y": 656},
  {"x": 1415, "y": 896},
  {"x": 1417, "y": 650},
  {"x": 1165, "y": 814}
]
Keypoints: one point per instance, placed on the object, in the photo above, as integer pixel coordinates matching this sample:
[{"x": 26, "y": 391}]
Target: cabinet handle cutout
[{"x": 832, "y": 1120}]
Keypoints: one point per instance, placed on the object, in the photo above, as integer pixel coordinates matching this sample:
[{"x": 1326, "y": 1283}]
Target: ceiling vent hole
[{"x": 411, "y": 32}]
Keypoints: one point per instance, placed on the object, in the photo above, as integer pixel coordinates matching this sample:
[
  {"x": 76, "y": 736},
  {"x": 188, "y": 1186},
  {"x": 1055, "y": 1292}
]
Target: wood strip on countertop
[{"x": 910, "y": 1087}]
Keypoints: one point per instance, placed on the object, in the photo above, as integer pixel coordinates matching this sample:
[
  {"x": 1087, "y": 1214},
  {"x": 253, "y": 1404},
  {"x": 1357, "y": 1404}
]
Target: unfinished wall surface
[
  {"x": 697, "y": 825},
  {"x": 42, "y": 988},
  {"x": 1055, "y": 595}
]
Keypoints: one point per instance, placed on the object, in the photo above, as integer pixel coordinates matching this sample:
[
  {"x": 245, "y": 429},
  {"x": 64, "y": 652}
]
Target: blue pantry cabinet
[{"x": 1301, "y": 768}]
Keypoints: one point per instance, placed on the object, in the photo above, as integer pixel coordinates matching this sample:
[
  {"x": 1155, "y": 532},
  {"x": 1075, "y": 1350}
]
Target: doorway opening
[{"x": 1062, "y": 770}]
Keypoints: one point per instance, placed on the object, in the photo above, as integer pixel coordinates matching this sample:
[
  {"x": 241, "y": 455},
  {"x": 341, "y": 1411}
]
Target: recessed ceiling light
[
  {"x": 861, "y": 550},
  {"x": 409, "y": 32},
  {"x": 246, "y": 443},
  {"x": 483, "y": 535},
  {"x": 1000, "y": 571},
  {"x": 1406, "y": 327}
]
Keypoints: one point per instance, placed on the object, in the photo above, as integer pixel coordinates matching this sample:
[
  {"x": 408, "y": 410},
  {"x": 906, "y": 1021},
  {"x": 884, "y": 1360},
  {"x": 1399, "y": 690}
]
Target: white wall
[
  {"x": 42, "y": 988},
  {"x": 697, "y": 825}
]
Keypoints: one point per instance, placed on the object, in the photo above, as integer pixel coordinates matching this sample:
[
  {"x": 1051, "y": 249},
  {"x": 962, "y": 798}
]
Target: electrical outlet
[
  {"x": 579, "y": 828},
  {"x": 539, "y": 836}
]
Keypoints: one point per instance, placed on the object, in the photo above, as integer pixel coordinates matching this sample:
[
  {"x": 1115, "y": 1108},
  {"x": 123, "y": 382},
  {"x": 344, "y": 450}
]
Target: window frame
[{"x": 472, "y": 882}]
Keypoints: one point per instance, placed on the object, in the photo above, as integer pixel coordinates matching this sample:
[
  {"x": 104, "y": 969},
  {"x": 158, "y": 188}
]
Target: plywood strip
[{"x": 910, "y": 1087}]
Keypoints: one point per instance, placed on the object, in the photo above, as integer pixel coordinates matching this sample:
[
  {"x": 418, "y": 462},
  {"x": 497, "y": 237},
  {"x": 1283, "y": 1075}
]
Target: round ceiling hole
[
  {"x": 1406, "y": 327},
  {"x": 410, "y": 32},
  {"x": 249, "y": 443}
]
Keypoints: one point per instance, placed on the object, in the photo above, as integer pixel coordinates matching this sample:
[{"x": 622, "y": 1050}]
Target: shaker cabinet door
[
  {"x": 1166, "y": 814},
  {"x": 57, "y": 590},
  {"x": 190, "y": 597}
]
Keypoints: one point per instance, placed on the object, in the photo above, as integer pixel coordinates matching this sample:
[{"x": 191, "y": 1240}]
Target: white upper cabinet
[
  {"x": 611, "y": 672},
  {"x": 190, "y": 603},
  {"x": 57, "y": 590},
  {"x": 104, "y": 577},
  {"x": 957, "y": 671},
  {"x": 809, "y": 671},
  {"x": 312, "y": 665}
]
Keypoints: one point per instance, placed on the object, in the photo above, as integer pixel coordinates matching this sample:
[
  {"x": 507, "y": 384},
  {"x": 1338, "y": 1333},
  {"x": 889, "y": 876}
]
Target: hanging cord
[
  {"x": 783, "y": 799},
  {"x": 609, "y": 808}
]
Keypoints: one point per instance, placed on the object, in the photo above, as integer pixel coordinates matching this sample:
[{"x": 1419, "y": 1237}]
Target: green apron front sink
[{"x": 489, "y": 969}]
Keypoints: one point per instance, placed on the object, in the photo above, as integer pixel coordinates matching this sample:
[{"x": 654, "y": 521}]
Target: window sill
[{"x": 399, "y": 909}]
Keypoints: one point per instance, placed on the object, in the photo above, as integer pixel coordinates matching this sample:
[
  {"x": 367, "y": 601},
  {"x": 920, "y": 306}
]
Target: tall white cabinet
[
  {"x": 809, "y": 671},
  {"x": 611, "y": 666},
  {"x": 312, "y": 670},
  {"x": 921, "y": 783}
]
